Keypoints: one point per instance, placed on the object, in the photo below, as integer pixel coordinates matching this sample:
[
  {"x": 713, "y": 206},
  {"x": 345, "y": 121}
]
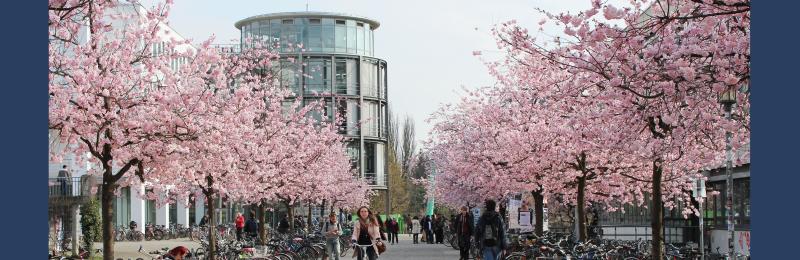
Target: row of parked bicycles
[
  {"x": 528, "y": 246},
  {"x": 300, "y": 245},
  {"x": 161, "y": 232}
]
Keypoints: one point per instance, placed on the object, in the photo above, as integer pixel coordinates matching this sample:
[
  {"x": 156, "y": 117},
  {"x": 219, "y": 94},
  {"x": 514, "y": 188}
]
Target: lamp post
[
  {"x": 699, "y": 192},
  {"x": 728, "y": 99}
]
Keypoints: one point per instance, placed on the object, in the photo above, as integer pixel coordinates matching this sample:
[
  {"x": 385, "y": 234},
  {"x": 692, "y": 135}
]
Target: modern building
[{"x": 330, "y": 57}]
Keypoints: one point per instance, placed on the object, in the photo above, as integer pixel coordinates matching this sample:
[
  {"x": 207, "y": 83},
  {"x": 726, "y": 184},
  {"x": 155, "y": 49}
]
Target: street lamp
[
  {"x": 699, "y": 193},
  {"x": 728, "y": 99}
]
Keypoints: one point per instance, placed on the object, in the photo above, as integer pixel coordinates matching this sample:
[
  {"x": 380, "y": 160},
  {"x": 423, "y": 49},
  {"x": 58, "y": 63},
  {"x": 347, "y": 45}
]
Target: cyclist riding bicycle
[{"x": 367, "y": 230}]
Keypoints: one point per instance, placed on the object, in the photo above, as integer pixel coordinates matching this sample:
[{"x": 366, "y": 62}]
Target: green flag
[{"x": 429, "y": 208}]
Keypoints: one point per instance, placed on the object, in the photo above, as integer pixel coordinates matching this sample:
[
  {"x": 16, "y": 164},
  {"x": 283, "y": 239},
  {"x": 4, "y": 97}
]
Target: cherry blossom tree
[
  {"x": 107, "y": 91},
  {"x": 665, "y": 69}
]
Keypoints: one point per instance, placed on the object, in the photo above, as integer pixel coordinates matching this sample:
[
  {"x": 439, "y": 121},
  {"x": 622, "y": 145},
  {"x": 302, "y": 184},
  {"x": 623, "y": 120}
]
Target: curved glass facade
[
  {"x": 335, "y": 66},
  {"x": 329, "y": 35}
]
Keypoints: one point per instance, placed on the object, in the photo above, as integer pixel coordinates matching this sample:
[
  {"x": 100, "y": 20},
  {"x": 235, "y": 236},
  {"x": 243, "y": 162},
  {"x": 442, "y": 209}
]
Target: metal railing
[{"x": 68, "y": 187}]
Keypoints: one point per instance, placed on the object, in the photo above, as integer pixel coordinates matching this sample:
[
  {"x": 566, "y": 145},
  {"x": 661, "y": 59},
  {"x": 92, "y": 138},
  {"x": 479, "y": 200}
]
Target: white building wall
[
  {"x": 199, "y": 208},
  {"x": 138, "y": 207},
  {"x": 741, "y": 241},
  {"x": 183, "y": 212}
]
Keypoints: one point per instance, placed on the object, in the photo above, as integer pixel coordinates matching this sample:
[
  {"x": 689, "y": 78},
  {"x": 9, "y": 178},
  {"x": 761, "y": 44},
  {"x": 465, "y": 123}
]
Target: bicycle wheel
[
  {"x": 282, "y": 256},
  {"x": 344, "y": 250},
  {"x": 158, "y": 235},
  {"x": 119, "y": 235},
  {"x": 306, "y": 252},
  {"x": 516, "y": 256}
]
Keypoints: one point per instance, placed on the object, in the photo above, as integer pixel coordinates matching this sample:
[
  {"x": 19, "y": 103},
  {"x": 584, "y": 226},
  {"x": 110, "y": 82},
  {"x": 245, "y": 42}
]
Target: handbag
[{"x": 381, "y": 247}]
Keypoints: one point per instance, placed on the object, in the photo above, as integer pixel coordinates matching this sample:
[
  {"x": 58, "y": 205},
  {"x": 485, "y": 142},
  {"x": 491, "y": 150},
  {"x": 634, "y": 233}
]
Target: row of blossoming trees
[
  {"x": 608, "y": 115},
  {"x": 216, "y": 124}
]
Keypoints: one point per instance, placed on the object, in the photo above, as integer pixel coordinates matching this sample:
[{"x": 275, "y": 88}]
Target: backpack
[{"x": 490, "y": 231}]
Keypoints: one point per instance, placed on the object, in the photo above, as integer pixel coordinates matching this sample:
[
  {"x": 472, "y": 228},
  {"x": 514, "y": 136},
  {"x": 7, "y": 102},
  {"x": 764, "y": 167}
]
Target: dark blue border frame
[
  {"x": 775, "y": 95},
  {"x": 24, "y": 129}
]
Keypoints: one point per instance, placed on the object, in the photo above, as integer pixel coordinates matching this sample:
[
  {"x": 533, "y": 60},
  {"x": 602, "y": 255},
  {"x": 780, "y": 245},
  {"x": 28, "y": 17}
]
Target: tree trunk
[
  {"x": 107, "y": 208},
  {"x": 322, "y": 210},
  {"x": 212, "y": 227},
  {"x": 262, "y": 223},
  {"x": 290, "y": 214},
  {"x": 657, "y": 214},
  {"x": 581, "y": 209},
  {"x": 538, "y": 207},
  {"x": 308, "y": 219}
]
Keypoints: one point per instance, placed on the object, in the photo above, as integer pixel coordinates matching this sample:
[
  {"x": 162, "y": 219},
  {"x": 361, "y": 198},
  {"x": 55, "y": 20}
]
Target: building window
[
  {"x": 341, "y": 38},
  {"x": 314, "y": 37},
  {"x": 369, "y": 163},
  {"x": 353, "y": 151},
  {"x": 314, "y": 21},
  {"x": 340, "y": 22},
  {"x": 287, "y": 21},
  {"x": 319, "y": 76},
  {"x": 351, "y": 39},
  {"x": 346, "y": 77}
]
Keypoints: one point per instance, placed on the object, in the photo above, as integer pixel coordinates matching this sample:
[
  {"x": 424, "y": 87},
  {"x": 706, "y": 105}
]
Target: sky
[{"x": 428, "y": 44}]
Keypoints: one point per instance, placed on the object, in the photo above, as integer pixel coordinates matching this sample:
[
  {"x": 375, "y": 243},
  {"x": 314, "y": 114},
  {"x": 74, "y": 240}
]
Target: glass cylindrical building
[{"x": 337, "y": 64}]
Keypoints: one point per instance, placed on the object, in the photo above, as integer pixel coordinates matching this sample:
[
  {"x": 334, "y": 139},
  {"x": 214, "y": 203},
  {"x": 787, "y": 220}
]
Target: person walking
[
  {"x": 394, "y": 230},
  {"x": 381, "y": 224},
  {"x": 463, "y": 224},
  {"x": 367, "y": 229},
  {"x": 388, "y": 228},
  {"x": 239, "y": 222},
  {"x": 490, "y": 232},
  {"x": 438, "y": 229},
  {"x": 251, "y": 226},
  {"x": 428, "y": 230},
  {"x": 416, "y": 227},
  {"x": 332, "y": 229},
  {"x": 63, "y": 178}
]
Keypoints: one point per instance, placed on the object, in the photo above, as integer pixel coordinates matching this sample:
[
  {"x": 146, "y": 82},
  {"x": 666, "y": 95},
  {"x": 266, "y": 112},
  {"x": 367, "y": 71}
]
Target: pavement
[
  {"x": 130, "y": 249},
  {"x": 404, "y": 250}
]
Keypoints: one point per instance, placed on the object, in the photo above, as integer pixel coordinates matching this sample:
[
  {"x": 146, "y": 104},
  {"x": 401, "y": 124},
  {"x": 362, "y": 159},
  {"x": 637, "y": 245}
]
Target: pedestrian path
[{"x": 406, "y": 250}]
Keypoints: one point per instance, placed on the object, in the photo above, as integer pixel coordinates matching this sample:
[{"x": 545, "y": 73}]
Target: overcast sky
[{"x": 427, "y": 44}]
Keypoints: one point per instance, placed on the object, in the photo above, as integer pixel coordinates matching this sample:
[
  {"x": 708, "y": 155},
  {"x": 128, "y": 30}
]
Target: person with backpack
[
  {"x": 332, "y": 229},
  {"x": 490, "y": 233}
]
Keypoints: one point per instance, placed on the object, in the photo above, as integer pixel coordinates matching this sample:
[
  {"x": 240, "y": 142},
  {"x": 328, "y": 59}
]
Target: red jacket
[{"x": 240, "y": 222}]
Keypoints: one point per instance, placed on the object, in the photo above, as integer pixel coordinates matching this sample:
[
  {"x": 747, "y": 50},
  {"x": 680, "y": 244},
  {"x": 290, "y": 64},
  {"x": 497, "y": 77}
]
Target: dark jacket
[
  {"x": 425, "y": 223},
  {"x": 458, "y": 226},
  {"x": 486, "y": 219},
  {"x": 283, "y": 225},
  {"x": 251, "y": 227},
  {"x": 394, "y": 227}
]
